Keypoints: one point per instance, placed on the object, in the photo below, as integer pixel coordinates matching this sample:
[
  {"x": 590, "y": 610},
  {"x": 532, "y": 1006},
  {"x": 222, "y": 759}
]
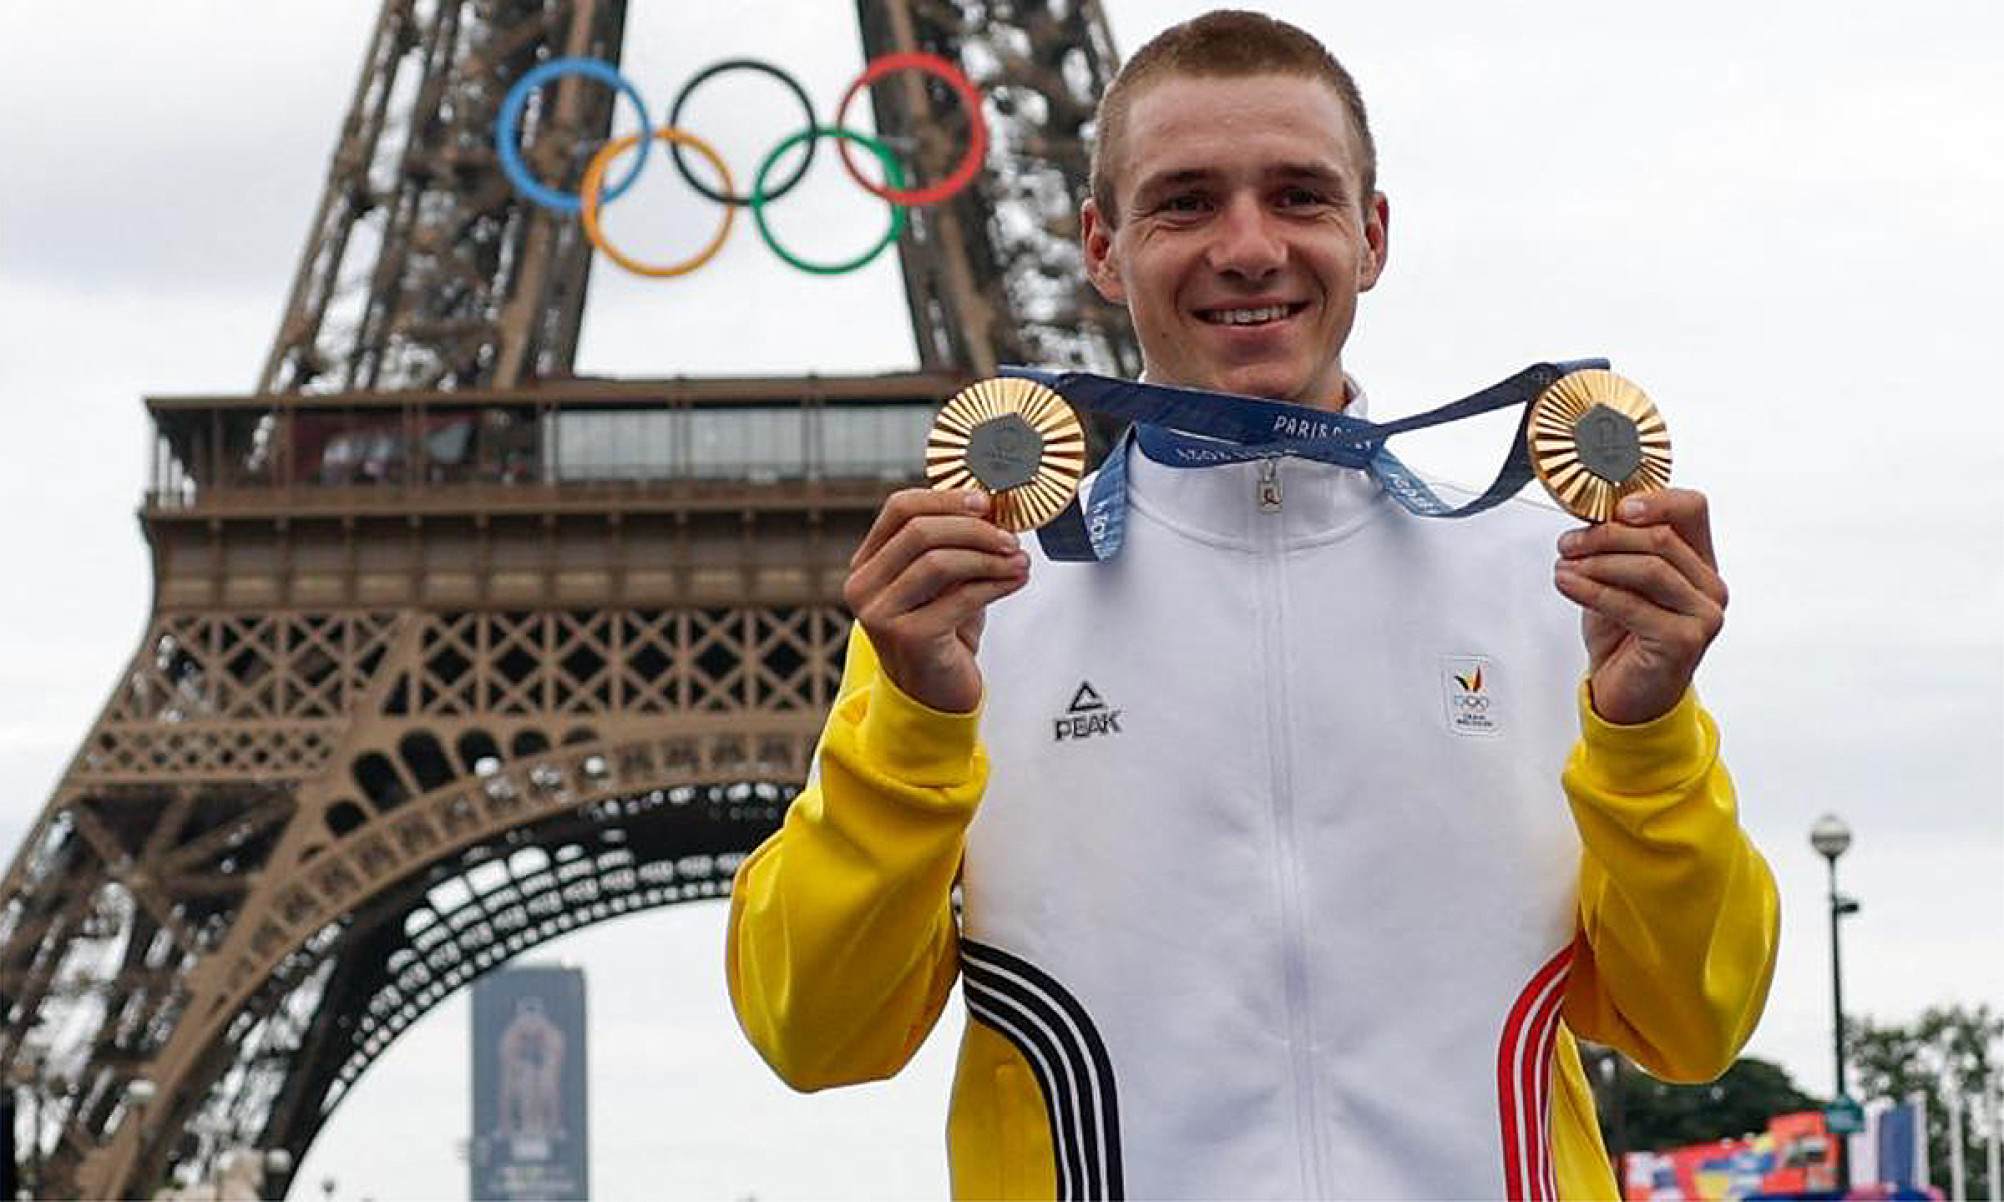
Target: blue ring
[{"x": 507, "y": 130}]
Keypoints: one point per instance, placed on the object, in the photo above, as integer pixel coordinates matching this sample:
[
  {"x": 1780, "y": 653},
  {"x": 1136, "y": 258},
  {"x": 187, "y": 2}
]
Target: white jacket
[{"x": 1274, "y": 881}]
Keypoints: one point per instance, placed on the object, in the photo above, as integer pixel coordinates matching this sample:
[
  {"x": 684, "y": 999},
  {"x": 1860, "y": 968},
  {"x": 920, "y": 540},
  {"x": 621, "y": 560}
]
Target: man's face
[{"x": 1242, "y": 239}]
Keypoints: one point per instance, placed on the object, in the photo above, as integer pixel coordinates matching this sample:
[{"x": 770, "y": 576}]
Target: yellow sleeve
[
  {"x": 1679, "y": 917},
  {"x": 841, "y": 942}
]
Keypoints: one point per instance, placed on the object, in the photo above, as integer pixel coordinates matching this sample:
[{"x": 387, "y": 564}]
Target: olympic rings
[
  {"x": 892, "y": 172},
  {"x": 593, "y": 193},
  {"x": 748, "y": 64},
  {"x": 506, "y": 136},
  {"x": 594, "y": 178},
  {"x": 977, "y": 126}
]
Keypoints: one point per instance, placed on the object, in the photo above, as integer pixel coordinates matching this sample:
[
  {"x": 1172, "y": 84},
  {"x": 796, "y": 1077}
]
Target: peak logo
[
  {"x": 1086, "y": 717},
  {"x": 1467, "y": 689}
]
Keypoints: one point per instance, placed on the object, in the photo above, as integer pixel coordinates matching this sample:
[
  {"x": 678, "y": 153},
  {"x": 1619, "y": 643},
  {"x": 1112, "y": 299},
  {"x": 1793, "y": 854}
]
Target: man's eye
[
  {"x": 1186, "y": 203},
  {"x": 1302, "y": 196}
]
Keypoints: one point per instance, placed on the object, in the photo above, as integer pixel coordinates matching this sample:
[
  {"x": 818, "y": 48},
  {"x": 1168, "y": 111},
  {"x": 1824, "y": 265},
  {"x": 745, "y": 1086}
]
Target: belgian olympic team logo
[
  {"x": 1468, "y": 689},
  {"x": 594, "y": 193}
]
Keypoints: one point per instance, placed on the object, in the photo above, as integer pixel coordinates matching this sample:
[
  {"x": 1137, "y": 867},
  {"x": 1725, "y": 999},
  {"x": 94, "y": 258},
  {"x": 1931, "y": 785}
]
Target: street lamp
[
  {"x": 1831, "y": 838},
  {"x": 1610, "y": 1075}
]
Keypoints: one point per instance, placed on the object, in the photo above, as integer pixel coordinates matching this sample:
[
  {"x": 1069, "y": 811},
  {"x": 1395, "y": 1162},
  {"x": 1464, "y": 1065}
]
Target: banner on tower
[{"x": 529, "y": 1115}]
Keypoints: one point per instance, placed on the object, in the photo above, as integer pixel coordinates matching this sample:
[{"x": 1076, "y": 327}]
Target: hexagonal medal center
[
  {"x": 1609, "y": 444},
  {"x": 1004, "y": 452}
]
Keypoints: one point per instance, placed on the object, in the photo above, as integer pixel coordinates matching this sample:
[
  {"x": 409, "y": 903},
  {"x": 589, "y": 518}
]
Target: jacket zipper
[
  {"x": 1268, "y": 491},
  {"x": 1287, "y": 861}
]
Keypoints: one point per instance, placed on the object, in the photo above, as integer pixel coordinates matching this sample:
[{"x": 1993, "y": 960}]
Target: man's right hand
[{"x": 921, "y": 584}]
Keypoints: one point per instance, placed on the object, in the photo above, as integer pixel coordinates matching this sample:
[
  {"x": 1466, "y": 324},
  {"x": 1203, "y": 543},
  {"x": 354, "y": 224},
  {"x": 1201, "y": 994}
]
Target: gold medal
[
  {"x": 1596, "y": 438},
  {"x": 1016, "y": 439}
]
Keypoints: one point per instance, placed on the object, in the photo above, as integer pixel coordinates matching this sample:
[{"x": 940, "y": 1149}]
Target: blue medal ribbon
[{"x": 1187, "y": 427}]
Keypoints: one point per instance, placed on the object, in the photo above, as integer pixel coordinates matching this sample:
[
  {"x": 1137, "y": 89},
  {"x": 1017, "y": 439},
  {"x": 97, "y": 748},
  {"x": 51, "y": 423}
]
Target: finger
[
  {"x": 918, "y": 537},
  {"x": 938, "y": 571},
  {"x": 1635, "y": 613},
  {"x": 904, "y": 505},
  {"x": 1648, "y": 576},
  {"x": 1685, "y": 509},
  {"x": 1660, "y": 541},
  {"x": 956, "y": 606}
]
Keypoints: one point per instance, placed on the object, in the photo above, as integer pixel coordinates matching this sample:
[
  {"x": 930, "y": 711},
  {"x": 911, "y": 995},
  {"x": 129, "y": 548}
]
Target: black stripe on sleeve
[
  {"x": 1033, "y": 1042},
  {"x": 1040, "y": 998}
]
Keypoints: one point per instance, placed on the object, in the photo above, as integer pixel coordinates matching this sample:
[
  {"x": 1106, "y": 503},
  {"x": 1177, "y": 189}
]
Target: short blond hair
[{"x": 1225, "y": 44}]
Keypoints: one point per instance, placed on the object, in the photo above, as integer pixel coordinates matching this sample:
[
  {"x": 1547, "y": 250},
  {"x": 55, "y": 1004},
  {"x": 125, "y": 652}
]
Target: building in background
[{"x": 531, "y": 1138}]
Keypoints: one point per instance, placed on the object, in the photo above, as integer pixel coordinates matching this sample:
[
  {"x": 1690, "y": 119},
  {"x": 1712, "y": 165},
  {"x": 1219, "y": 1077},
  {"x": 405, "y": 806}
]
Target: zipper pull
[{"x": 1269, "y": 485}]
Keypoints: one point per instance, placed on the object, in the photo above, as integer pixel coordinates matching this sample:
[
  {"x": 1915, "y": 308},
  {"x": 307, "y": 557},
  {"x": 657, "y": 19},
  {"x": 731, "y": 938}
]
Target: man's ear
[
  {"x": 1377, "y": 241},
  {"x": 1102, "y": 267}
]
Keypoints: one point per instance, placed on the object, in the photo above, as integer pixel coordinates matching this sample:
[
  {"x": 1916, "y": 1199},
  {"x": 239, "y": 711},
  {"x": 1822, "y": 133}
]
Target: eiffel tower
[{"x": 453, "y": 651}]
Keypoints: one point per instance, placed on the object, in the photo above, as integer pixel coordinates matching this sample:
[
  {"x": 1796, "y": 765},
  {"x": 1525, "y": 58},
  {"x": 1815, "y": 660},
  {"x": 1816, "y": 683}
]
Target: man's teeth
[{"x": 1246, "y": 317}]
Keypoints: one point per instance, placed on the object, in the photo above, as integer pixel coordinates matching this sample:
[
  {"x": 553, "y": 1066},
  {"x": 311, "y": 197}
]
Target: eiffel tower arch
[{"x": 452, "y": 651}]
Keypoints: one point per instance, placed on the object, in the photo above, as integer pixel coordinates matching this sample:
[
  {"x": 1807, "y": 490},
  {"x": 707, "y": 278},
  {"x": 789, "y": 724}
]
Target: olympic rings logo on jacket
[{"x": 594, "y": 193}]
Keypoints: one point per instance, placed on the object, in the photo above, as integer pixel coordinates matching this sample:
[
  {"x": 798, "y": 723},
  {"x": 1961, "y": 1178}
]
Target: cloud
[{"x": 171, "y": 129}]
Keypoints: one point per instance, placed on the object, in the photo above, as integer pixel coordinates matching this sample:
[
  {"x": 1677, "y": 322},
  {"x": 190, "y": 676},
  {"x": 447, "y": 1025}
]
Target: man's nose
[{"x": 1247, "y": 243}]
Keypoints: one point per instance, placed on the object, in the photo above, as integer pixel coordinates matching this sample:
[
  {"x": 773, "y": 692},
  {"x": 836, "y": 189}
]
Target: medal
[
  {"x": 1594, "y": 439},
  {"x": 1017, "y": 440}
]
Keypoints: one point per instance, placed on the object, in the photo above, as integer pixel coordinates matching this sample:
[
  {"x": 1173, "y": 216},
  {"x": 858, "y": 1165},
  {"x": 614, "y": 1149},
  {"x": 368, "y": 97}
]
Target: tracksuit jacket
[{"x": 1291, "y": 858}]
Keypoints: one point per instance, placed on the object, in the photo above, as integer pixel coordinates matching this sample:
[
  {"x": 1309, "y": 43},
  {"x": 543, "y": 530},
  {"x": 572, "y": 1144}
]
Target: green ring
[{"x": 892, "y": 172}]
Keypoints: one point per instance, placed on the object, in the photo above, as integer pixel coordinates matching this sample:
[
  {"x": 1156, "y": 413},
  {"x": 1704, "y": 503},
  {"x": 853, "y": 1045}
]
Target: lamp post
[
  {"x": 1831, "y": 838},
  {"x": 1610, "y": 1075}
]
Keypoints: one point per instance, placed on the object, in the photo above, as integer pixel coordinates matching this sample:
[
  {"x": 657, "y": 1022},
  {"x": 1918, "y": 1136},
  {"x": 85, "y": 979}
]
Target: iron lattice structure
[{"x": 453, "y": 652}]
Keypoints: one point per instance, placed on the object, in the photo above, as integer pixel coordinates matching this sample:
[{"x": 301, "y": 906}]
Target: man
[{"x": 1269, "y": 889}]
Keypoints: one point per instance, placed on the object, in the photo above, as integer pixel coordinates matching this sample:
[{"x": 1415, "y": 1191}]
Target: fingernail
[
  {"x": 1569, "y": 541},
  {"x": 1633, "y": 508},
  {"x": 977, "y": 501}
]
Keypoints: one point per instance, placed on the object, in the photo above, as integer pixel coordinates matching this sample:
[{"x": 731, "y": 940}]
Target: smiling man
[
  {"x": 1297, "y": 842},
  {"x": 1245, "y": 224}
]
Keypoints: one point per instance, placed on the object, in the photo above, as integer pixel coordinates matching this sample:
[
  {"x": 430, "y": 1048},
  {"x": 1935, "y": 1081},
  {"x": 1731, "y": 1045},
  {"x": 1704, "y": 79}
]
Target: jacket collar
[{"x": 1221, "y": 503}]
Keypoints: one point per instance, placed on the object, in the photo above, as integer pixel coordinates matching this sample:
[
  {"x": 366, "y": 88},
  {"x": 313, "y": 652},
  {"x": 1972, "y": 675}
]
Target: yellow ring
[{"x": 593, "y": 184}]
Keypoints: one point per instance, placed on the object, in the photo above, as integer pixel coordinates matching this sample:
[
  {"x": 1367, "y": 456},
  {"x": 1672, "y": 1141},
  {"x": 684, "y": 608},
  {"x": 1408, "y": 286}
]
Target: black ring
[{"x": 675, "y": 119}]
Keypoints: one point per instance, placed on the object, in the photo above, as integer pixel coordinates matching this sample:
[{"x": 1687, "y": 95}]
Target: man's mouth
[{"x": 1254, "y": 316}]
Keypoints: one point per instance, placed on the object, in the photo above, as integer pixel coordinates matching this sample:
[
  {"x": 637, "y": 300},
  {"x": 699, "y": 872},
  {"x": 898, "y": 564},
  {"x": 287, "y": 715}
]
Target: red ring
[{"x": 977, "y": 142}]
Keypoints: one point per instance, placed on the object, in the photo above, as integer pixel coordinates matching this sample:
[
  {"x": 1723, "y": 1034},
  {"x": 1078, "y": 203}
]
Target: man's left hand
[{"x": 1653, "y": 597}]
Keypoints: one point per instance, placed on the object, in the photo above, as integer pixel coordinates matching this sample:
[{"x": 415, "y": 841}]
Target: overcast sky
[{"x": 1782, "y": 219}]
